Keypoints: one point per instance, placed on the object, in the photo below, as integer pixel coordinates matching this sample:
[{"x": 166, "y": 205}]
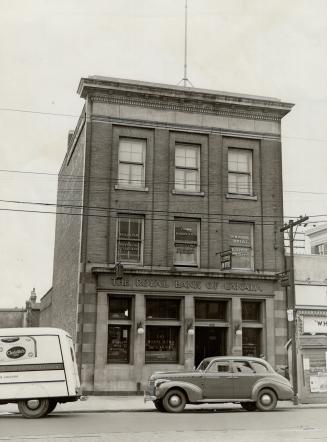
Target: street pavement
[
  {"x": 136, "y": 403},
  {"x": 112, "y": 419}
]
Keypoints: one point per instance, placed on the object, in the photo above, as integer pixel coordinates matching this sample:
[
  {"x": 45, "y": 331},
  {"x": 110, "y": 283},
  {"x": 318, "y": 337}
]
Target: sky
[{"x": 272, "y": 48}]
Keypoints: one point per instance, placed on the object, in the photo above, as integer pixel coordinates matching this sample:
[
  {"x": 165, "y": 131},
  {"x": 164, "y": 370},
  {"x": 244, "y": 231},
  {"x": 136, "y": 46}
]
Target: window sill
[
  {"x": 241, "y": 197},
  {"x": 184, "y": 192},
  {"x": 138, "y": 189}
]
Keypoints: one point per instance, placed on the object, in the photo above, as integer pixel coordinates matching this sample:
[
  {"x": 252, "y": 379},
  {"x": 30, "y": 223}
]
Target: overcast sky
[{"x": 273, "y": 48}]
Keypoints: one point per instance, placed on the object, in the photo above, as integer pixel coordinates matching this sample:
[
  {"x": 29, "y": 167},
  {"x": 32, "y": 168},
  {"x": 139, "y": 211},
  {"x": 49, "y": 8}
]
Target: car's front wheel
[
  {"x": 52, "y": 405},
  {"x": 33, "y": 408},
  {"x": 159, "y": 405},
  {"x": 249, "y": 406},
  {"x": 266, "y": 400},
  {"x": 174, "y": 401}
]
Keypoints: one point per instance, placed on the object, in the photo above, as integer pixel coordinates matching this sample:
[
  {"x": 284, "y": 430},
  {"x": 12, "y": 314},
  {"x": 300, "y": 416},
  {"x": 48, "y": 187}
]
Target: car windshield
[{"x": 204, "y": 364}]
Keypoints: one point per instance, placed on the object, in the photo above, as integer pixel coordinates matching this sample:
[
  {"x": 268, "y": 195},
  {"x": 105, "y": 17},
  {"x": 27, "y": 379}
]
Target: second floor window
[
  {"x": 130, "y": 240},
  {"x": 131, "y": 169},
  {"x": 241, "y": 244},
  {"x": 240, "y": 171},
  {"x": 187, "y": 168},
  {"x": 186, "y": 242}
]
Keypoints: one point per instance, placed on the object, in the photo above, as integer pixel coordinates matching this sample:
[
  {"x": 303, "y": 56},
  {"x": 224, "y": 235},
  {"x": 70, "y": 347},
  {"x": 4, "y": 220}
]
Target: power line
[
  {"x": 55, "y": 114},
  {"x": 130, "y": 211},
  {"x": 104, "y": 179},
  {"x": 101, "y": 208}
]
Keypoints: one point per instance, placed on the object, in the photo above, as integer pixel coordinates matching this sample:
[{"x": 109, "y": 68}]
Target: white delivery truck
[{"x": 37, "y": 369}]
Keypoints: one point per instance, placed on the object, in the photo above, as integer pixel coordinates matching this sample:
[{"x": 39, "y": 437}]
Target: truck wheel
[
  {"x": 266, "y": 400},
  {"x": 174, "y": 401},
  {"x": 52, "y": 405},
  {"x": 33, "y": 408},
  {"x": 249, "y": 406},
  {"x": 159, "y": 405}
]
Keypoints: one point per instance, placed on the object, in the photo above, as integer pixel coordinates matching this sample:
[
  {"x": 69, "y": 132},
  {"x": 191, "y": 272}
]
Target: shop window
[
  {"x": 130, "y": 239},
  {"x": 239, "y": 171},
  {"x": 161, "y": 344},
  {"x": 119, "y": 307},
  {"x": 187, "y": 168},
  {"x": 241, "y": 245},
  {"x": 118, "y": 344},
  {"x": 207, "y": 310},
  {"x": 186, "y": 242},
  {"x": 131, "y": 169},
  {"x": 251, "y": 311},
  {"x": 163, "y": 308},
  {"x": 251, "y": 342}
]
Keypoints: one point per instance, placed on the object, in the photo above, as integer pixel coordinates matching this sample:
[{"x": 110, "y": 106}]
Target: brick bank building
[{"x": 157, "y": 181}]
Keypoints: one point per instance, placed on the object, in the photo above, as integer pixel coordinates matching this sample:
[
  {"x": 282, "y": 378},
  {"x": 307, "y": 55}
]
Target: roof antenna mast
[{"x": 186, "y": 82}]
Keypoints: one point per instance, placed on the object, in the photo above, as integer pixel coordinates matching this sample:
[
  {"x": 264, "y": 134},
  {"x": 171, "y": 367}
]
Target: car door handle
[{"x": 231, "y": 377}]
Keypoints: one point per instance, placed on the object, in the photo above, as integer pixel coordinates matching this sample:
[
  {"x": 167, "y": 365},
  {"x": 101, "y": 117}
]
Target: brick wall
[{"x": 67, "y": 240}]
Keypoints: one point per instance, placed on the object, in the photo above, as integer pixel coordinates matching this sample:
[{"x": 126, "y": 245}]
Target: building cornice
[{"x": 182, "y": 99}]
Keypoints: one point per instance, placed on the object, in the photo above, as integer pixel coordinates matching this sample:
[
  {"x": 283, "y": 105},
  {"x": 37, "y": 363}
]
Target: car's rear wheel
[
  {"x": 159, "y": 405},
  {"x": 174, "y": 401},
  {"x": 249, "y": 406},
  {"x": 266, "y": 400},
  {"x": 34, "y": 408}
]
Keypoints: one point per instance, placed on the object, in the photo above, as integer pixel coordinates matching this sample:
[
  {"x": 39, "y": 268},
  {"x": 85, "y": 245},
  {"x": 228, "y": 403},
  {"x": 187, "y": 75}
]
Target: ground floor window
[
  {"x": 251, "y": 342},
  {"x": 210, "y": 309},
  {"x": 118, "y": 344},
  {"x": 161, "y": 344}
]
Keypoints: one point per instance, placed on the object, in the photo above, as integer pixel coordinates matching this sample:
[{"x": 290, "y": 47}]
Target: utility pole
[{"x": 291, "y": 313}]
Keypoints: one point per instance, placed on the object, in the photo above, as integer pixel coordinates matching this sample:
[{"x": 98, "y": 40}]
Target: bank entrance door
[{"x": 209, "y": 341}]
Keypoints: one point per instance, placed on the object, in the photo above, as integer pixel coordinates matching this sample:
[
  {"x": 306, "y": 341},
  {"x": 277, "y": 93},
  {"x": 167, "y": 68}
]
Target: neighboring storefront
[{"x": 312, "y": 355}]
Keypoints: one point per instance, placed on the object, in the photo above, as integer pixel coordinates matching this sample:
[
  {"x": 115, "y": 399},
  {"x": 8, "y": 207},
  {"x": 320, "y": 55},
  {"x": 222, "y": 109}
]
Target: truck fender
[{"x": 193, "y": 392}]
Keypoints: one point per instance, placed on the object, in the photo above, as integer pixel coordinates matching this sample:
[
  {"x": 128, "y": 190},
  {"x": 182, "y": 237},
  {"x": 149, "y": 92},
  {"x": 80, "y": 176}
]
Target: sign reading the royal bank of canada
[
  {"x": 182, "y": 284},
  {"x": 315, "y": 324}
]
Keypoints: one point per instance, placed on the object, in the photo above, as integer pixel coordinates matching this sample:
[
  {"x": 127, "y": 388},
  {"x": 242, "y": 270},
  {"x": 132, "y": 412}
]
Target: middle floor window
[
  {"x": 130, "y": 239},
  {"x": 187, "y": 242}
]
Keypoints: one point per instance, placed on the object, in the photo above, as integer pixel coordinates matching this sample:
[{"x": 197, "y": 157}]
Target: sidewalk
[{"x": 136, "y": 403}]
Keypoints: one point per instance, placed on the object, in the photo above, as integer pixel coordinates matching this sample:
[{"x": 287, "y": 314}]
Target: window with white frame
[
  {"x": 130, "y": 239},
  {"x": 187, "y": 168},
  {"x": 186, "y": 242},
  {"x": 131, "y": 169},
  {"x": 241, "y": 244},
  {"x": 239, "y": 171}
]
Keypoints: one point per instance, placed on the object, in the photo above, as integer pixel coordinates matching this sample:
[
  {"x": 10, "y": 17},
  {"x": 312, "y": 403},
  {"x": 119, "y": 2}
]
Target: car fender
[
  {"x": 265, "y": 383},
  {"x": 194, "y": 393}
]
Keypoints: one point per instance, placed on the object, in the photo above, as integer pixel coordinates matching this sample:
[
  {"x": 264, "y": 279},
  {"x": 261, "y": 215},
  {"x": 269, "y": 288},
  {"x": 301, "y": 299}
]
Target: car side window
[
  {"x": 259, "y": 368},
  {"x": 242, "y": 367},
  {"x": 219, "y": 367}
]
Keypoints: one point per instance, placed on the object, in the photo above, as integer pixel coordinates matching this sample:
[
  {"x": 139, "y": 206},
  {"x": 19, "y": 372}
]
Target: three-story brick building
[{"x": 157, "y": 181}]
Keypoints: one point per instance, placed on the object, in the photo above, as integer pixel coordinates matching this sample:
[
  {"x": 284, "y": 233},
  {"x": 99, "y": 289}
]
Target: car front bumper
[{"x": 148, "y": 397}]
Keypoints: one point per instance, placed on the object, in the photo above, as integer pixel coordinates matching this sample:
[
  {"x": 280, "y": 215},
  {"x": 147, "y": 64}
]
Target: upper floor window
[
  {"x": 131, "y": 169},
  {"x": 187, "y": 242},
  {"x": 130, "y": 239},
  {"x": 241, "y": 244},
  {"x": 240, "y": 171},
  {"x": 321, "y": 249},
  {"x": 187, "y": 168}
]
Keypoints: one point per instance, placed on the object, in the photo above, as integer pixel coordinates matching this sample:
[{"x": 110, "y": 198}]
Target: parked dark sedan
[{"x": 251, "y": 382}]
